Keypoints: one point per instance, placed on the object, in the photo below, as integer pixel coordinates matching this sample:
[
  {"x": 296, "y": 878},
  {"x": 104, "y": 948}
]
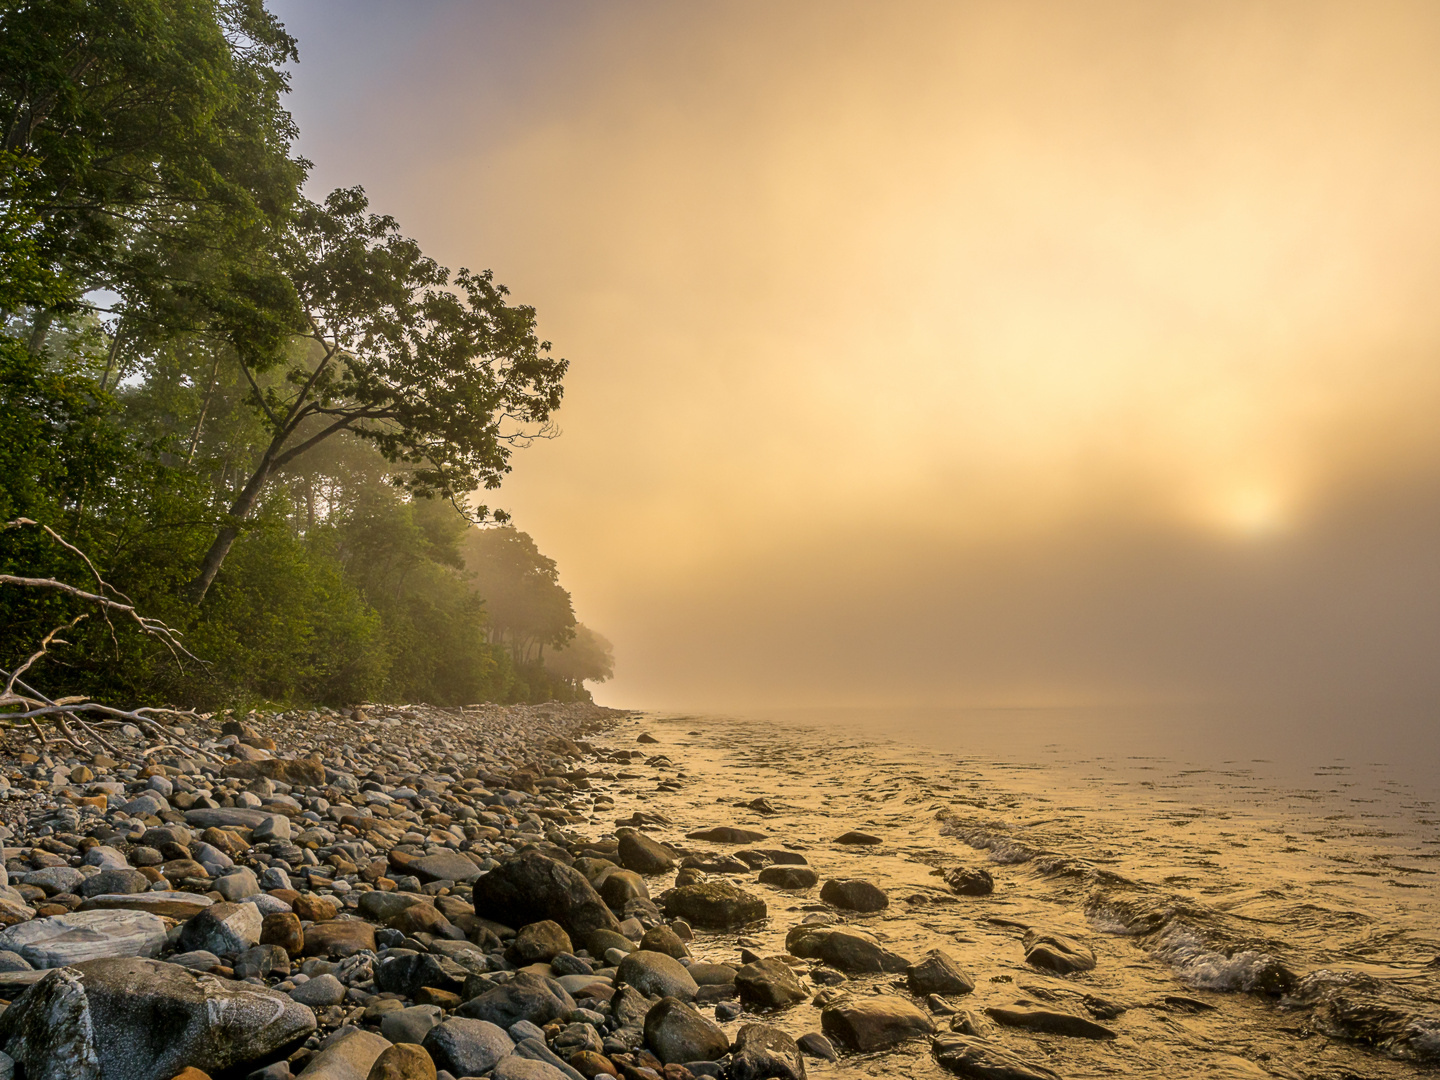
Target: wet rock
[
  {"x": 856, "y": 837},
  {"x": 714, "y": 905},
  {"x": 640, "y": 853},
  {"x": 675, "y": 1032},
  {"x": 538, "y": 941},
  {"x": 223, "y": 929},
  {"x": 348, "y": 1054},
  {"x": 524, "y": 997},
  {"x": 817, "y": 1046},
  {"x": 590, "y": 1064},
  {"x": 984, "y": 1060},
  {"x": 283, "y": 929},
  {"x": 530, "y": 885},
  {"x": 408, "y": 975},
  {"x": 852, "y": 894},
  {"x": 339, "y": 938},
  {"x": 769, "y": 984},
  {"x": 875, "y": 1022},
  {"x": 466, "y": 1047},
  {"x": 850, "y": 951},
  {"x": 145, "y": 1020},
  {"x": 939, "y": 973},
  {"x": 655, "y": 973},
  {"x": 762, "y": 1051},
  {"x": 1023, "y": 1014},
  {"x": 970, "y": 882},
  {"x": 402, "y": 1061},
  {"x": 84, "y": 935},
  {"x": 789, "y": 877},
  {"x": 663, "y": 939},
  {"x": 1058, "y": 953},
  {"x": 726, "y": 834}
]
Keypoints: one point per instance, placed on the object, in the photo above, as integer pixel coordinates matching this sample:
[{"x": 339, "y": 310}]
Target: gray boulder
[
  {"x": 656, "y": 973},
  {"x": 136, "y": 1019},
  {"x": 530, "y": 886},
  {"x": 223, "y": 929},
  {"x": 715, "y": 905},
  {"x": 762, "y": 1051},
  {"x": 319, "y": 992},
  {"x": 444, "y": 866},
  {"x": 410, "y": 1025},
  {"x": 238, "y": 884},
  {"x": 640, "y": 853},
  {"x": 113, "y": 880},
  {"x": 769, "y": 984},
  {"x": 85, "y": 935},
  {"x": 407, "y": 975},
  {"x": 524, "y": 997},
  {"x": 349, "y": 1054},
  {"x": 874, "y": 1022},
  {"x": 538, "y": 941},
  {"x": 466, "y": 1047},
  {"x": 676, "y": 1033}
]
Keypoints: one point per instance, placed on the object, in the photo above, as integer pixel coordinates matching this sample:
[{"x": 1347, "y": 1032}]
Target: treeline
[{"x": 260, "y": 417}]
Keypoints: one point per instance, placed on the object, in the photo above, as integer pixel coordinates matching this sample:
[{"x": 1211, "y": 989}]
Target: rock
[
  {"x": 789, "y": 877},
  {"x": 339, "y": 938},
  {"x": 849, "y": 950},
  {"x": 55, "y": 879},
  {"x": 535, "y": 1050},
  {"x": 408, "y": 975},
  {"x": 516, "y": 1067},
  {"x": 226, "y": 817},
  {"x": 874, "y": 1022},
  {"x": 969, "y": 1056},
  {"x": 446, "y": 866},
  {"x": 640, "y": 853},
  {"x": 111, "y": 880},
  {"x": 712, "y": 974},
  {"x": 144, "y": 1020},
  {"x": 107, "y": 858},
  {"x": 263, "y": 960},
  {"x": 349, "y": 1054},
  {"x": 239, "y": 884},
  {"x": 619, "y": 887},
  {"x": 714, "y": 905},
  {"x": 297, "y": 772},
  {"x": 726, "y": 834},
  {"x": 84, "y": 935},
  {"x": 663, "y": 939},
  {"x": 170, "y": 905},
  {"x": 524, "y": 997},
  {"x": 319, "y": 992},
  {"x": 655, "y": 973},
  {"x": 590, "y": 1064},
  {"x": 1053, "y": 952},
  {"x": 403, "y": 1061},
  {"x": 223, "y": 929},
  {"x": 1023, "y": 1014},
  {"x": 676, "y": 1033},
  {"x": 538, "y": 941},
  {"x": 817, "y": 1046},
  {"x": 467, "y": 1047},
  {"x": 602, "y": 941},
  {"x": 530, "y": 886},
  {"x": 283, "y": 929},
  {"x": 421, "y": 919},
  {"x": 938, "y": 973},
  {"x": 769, "y": 984},
  {"x": 314, "y": 908},
  {"x": 854, "y": 895},
  {"x": 381, "y": 907},
  {"x": 410, "y": 1025},
  {"x": 968, "y": 882},
  {"x": 762, "y": 1051}
]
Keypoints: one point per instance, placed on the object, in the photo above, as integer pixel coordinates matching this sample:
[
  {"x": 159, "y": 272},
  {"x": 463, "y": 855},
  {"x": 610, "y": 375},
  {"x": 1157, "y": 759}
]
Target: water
[{"x": 1272, "y": 917}]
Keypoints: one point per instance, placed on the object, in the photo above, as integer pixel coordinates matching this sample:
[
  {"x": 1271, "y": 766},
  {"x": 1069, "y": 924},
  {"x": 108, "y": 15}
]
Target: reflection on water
[{"x": 1246, "y": 922}]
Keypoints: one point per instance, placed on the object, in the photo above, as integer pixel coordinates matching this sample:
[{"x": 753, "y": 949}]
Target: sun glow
[{"x": 1252, "y": 511}]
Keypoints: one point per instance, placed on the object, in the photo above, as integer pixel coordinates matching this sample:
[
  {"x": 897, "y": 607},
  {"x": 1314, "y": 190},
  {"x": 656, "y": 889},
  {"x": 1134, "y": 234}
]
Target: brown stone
[
  {"x": 430, "y": 995},
  {"x": 589, "y": 1064},
  {"x": 339, "y": 938},
  {"x": 226, "y": 840},
  {"x": 191, "y": 1073},
  {"x": 419, "y": 919},
  {"x": 283, "y": 928},
  {"x": 315, "y": 908},
  {"x": 297, "y": 772},
  {"x": 403, "y": 1061}
]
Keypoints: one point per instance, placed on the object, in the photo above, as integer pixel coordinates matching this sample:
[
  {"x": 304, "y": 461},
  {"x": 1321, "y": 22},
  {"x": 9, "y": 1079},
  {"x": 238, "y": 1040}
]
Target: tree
[
  {"x": 527, "y": 606},
  {"x": 588, "y": 657},
  {"x": 443, "y": 377}
]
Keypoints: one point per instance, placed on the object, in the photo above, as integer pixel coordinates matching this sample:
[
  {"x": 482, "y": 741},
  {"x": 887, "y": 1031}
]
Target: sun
[{"x": 1253, "y": 511}]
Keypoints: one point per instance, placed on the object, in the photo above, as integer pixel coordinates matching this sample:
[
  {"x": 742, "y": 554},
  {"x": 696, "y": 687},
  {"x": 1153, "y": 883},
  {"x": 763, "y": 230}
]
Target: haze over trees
[{"x": 256, "y": 413}]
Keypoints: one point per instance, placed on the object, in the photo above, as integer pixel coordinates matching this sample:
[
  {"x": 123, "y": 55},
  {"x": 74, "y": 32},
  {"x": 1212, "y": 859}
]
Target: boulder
[
  {"x": 663, "y": 939},
  {"x": 969, "y": 1056},
  {"x": 122, "y": 880},
  {"x": 84, "y": 935},
  {"x": 409, "y": 974},
  {"x": 223, "y": 929},
  {"x": 938, "y": 973},
  {"x": 970, "y": 882},
  {"x": 854, "y": 836},
  {"x": 524, "y": 997},
  {"x": 516, "y": 1067},
  {"x": 297, "y": 772},
  {"x": 403, "y": 1061},
  {"x": 817, "y": 1046},
  {"x": 726, "y": 834},
  {"x": 619, "y": 887},
  {"x": 170, "y": 905},
  {"x": 762, "y": 1051},
  {"x": 410, "y": 1025},
  {"x": 538, "y": 941},
  {"x": 381, "y": 907},
  {"x": 466, "y": 1047},
  {"x": 849, "y": 950},
  {"x": 769, "y": 984},
  {"x": 349, "y": 1054},
  {"x": 445, "y": 866},
  {"x": 283, "y": 928},
  {"x": 137, "y": 1019},
  {"x": 318, "y": 992},
  {"x": 874, "y": 1022},
  {"x": 1054, "y": 952},
  {"x": 789, "y": 877},
  {"x": 656, "y": 973},
  {"x": 640, "y": 853},
  {"x": 715, "y": 905},
  {"x": 530, "y": 886},
  {"x": 676, "y": 1033},
  {"x": 852, "y": 894},
  {"x": 339, "y": 938}
]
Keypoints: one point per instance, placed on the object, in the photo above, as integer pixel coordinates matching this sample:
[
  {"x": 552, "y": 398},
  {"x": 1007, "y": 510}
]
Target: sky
[{"x": 992, "y": 354}]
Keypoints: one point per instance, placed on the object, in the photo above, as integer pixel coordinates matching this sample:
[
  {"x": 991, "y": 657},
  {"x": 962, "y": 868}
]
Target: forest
[{"x": 259, "y": 420}]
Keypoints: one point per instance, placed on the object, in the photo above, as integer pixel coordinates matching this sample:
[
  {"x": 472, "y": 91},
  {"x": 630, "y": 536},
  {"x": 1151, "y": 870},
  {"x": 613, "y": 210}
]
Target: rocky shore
[{"x": 410, "y": 892}]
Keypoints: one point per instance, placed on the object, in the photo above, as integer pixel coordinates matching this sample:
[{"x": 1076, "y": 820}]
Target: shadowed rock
[{"x": 530, "y": 886}]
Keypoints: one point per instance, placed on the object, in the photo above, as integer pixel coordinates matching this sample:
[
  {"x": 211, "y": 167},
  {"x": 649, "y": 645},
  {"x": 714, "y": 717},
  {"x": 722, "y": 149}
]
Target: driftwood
[{"x": 20, "y": 702}]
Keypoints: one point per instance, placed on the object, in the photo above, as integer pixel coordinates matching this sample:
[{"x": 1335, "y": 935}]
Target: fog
[{"x": 947, "y": 354}]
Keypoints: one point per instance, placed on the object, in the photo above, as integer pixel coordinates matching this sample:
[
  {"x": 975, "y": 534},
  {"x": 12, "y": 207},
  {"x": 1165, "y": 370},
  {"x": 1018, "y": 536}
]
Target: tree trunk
[{"x": 240, "y": 509}]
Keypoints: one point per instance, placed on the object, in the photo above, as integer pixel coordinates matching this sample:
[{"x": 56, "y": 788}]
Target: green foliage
[{"x": 528, "y": 607}]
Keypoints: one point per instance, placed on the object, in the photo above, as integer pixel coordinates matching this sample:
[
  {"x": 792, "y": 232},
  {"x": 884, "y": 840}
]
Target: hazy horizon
[{"x": 947, "y": 354}]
